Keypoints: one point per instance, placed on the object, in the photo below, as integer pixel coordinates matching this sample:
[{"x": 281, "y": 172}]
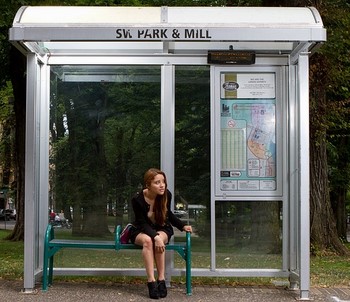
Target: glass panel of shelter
[
  {"x": 192, "y": 157},
  {"x": 249, "y": 234},
  {"x": 105, "y": 132}
]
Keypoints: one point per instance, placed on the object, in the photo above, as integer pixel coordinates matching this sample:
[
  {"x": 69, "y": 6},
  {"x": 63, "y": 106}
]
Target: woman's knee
[
  {"x": 148, "y": 242},
  {"x": 164, "y": 236},
  {"x": 145, "y": 241}
]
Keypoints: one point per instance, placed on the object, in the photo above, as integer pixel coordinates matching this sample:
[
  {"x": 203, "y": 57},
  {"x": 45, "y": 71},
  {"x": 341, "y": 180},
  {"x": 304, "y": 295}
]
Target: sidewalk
[
  {"x": 88, "y": 291},
  {"x": 70, "y": 291}
]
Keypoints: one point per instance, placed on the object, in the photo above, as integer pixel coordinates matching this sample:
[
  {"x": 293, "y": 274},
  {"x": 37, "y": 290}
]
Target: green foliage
[
  {"x": 334, "y": 116},
  {"x": 105, "y": 149},
  {"x": 105, "y": 135},
  {"x": 337, "y": 50},
  {"x": 96, "y": 2},
  {"x": 193, "y": 117},
  {"x": 7, "y": 14},
  {"x": 7, "y": 124},
  {"x": 168, "y": 2},
  {"x": 6, "y": 107}
]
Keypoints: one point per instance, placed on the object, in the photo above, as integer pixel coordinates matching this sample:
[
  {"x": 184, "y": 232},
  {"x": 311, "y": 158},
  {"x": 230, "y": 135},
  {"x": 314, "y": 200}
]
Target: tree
[
  {"x": 7, "y": 124},
  {"x": 13, "y": 67},
  {"x": 324, "y": 234},
  {"x": 328, "y": 132},
  {"x": 329, "y": 117},
  {"x": 18, "y": 68},
  {"x": 337, "y": 109},
  {"x": 323, "y": 225}
]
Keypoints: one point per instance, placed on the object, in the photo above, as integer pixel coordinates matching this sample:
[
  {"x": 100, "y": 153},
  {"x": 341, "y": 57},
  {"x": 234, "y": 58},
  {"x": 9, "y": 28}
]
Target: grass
[
  {"x": 328, "y": 270},
  {"x": 11, "y": 255}
]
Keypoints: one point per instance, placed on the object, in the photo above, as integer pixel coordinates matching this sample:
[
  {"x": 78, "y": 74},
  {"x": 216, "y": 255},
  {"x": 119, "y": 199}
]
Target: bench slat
[{"x": 82, "y": 244}]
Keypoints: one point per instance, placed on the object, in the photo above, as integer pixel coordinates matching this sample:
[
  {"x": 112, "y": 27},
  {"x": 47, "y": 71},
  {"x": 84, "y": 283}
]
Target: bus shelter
[{"x": 217, "y": 97}]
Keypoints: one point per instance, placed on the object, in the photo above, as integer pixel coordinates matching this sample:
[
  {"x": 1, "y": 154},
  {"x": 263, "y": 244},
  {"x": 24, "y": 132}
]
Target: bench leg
[
  {"x": 50, "y": 270},
  {"x": 188, "y": 276},
  {"x": 47, "y": 270},
  {"x": 188, "y": 266},
  {"x": 45, "y": 267}
]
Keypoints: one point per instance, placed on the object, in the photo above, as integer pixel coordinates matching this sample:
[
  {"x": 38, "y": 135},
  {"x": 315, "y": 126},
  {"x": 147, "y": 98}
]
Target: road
[{"x": 7, "y": 225}]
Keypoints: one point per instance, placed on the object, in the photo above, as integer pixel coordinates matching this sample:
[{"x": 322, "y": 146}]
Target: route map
[{"x": 248, "y": 143}]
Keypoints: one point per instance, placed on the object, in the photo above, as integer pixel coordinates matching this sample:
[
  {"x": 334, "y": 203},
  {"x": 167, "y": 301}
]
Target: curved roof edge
[
  {"x": 64, "y": 29},
  {"x": 122, "y": 15}
]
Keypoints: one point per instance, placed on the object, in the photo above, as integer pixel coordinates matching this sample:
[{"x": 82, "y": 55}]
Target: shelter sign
[
  {"x": 162, "y": 34},
  {"x": 247, "y": 134}
]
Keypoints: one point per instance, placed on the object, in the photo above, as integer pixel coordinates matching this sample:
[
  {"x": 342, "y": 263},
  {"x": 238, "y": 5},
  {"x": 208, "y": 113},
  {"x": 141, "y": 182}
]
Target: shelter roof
[{"x": 73, "y": 30}]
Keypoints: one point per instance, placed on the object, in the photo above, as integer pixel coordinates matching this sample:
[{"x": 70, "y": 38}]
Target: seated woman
[{"x": 154, "y": 223}]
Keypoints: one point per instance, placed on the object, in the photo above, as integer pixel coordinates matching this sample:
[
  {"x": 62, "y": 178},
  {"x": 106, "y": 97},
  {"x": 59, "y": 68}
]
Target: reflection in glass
[
  {"x": 249, "y": 234},
  {"x": 192, "y": 156},
  {"x": 104, "y": 133}
]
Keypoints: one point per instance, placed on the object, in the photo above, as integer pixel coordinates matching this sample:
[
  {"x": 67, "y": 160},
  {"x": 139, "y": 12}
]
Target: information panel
[{"x": 246, "y": 138}]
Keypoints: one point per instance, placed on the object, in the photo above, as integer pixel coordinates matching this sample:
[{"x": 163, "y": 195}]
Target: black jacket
[{"x": 144, "y": 224}]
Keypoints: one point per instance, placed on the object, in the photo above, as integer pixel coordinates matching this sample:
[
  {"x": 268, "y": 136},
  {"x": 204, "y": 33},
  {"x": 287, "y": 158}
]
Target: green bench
[{"x": 52, "y": 246}]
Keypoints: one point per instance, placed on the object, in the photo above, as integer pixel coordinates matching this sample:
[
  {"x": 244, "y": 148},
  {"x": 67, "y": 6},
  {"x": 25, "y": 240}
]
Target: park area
[{"x": 327, "y": 270}]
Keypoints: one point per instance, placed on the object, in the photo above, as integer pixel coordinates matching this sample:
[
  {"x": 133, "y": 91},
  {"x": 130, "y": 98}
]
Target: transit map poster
[{"x": 247, "y": 131}]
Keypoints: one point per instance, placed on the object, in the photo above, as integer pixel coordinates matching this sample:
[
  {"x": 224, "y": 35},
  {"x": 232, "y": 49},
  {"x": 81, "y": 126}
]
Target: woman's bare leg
[
  {"x": 160, "y": 258},
  {"x": 147, "y": 254}
]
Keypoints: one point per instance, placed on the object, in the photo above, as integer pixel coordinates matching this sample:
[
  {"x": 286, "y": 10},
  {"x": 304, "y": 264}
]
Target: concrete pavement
[
  {"x": 89, "y": 291},
  {"x": 11, "y": 291}
]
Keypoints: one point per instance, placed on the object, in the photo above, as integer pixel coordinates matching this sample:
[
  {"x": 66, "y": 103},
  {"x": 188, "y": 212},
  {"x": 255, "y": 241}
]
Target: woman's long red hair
[{"x": 161, "y": 202}]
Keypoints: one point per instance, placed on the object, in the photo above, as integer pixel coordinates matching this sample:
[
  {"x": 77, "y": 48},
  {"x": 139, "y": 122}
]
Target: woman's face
[{"x": 157, "y": 185}]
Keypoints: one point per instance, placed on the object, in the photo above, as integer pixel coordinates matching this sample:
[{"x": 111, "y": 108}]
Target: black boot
[
  {"x": 153, "y": 290},
  {"x": 162, "y": 289}
]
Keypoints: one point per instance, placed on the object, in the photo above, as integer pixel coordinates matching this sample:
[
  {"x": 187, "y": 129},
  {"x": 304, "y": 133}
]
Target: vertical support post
[
  {"x": 167, "y": 138},
  {"x": 44, "y": 116},
  {"x": 304, "y": 177},
  {"x": 293, "y": 177},
  {"x": 30, "y": 175},
  {"x": 214, "y": 75},
  {"x": 167, "y": 120},
  {"x": 283, "y": 119}
]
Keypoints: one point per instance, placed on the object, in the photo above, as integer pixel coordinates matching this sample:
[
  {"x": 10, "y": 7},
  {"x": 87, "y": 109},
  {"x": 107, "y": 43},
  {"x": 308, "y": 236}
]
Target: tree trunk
[
  {"x": 324, "y": 235},
  {"x": 340, "y": 181},
  {"x": 18, "y": 71},
  {"x": 338, "y": 199}
]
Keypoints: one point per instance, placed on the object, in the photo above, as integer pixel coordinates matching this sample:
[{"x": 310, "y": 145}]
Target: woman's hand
[
  {"x": 159, "y": 244},
  {"x": 187, "y": 228}
]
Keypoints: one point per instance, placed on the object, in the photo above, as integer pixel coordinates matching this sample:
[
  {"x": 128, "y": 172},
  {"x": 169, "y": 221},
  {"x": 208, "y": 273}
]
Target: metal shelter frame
[{"x": 169, "y": 36}]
